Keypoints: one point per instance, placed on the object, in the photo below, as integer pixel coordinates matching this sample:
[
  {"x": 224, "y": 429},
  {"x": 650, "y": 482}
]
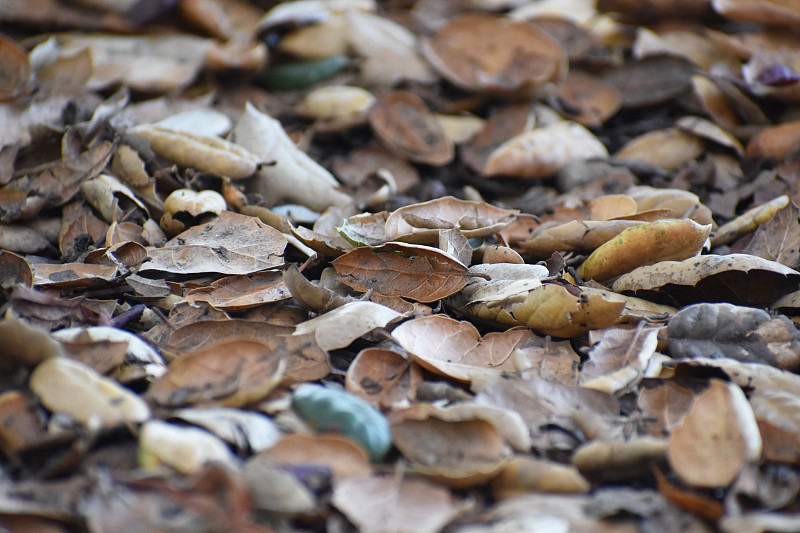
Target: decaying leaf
[
  {"x": 456, "y": 349},
  {"x": 718, "y": 437},
  {"x": 344, "y": 458},
  {"x": 403, "y": 122},
  {"x": 383, "y": 377},
  {"x": 418, "y": 505},
  {"x": 420, "y": 223},
  {"x": 68, "y": 386},
  {"x": 185, "y": 449},
  {"x": 461, "y": 452},
  {"x": 341, "y": 326},
  {"x": 778, "y": 237},
  {"x": 479, "y": 51},
  {"x": 541, "y": 152},
  {"x": 560, "y": 310},
  {"x": 293, "y": 173},
  {"x": 742, "y": 333},
  {"x": 235, "y": 293},
  {"x": 619, "y": 460},
  {"x": 232, "y": 244},
  {"x": 665, "y": 240},
  {"x": 736, "y": 278},
  {"x": 417, "y": 272},
  {"x": 232, "y": 372},
  {"x": 619, "y": 359},
  {"x": 203, "y": 152}
]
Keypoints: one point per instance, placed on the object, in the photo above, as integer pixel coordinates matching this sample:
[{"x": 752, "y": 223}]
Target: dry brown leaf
[
  {"x": 542, "y": 403},
  {"x": 235, "y": 293},
  {"x": 741, "y": 333},
  {"x": 502, "y": 126},
  {"x": 670, "y": 148},
  {"x": 549, "y": 308},
  {"x": 415, "y": 504},
  {"x": 573, "y": 236},
  {"x": 619, "y": 359},
  {"x": 153, "y": 63},
  {"x": 484, "y": 52},
  {"x": 232, "y": 244},
  {"x": 650, "y": 80},
  {"x": 526, "y": 474},
  {"x": 15, "y": 70},
  {"x": 54, "y": 186},
  {"x": 667, "y": 240},
  {"x": 293, "y": 173},
  {"x": 779, "y": 238},
  {"x": 383, "y": 377},
  {"x": 341, "y": 326},
  {"x": 390, "y": 50},
  {"x": 665, "y": 402},
  {"x": 752, "y": 219},
  {"x": 588, "y": 99},
  {"x": 455, "y": 349},
  {"x": 459, "y": 453},
  {"x": 719, "y": 436},
  {"x": 769, "y": 12},
  {"x": 420, "y": 223},
  {"x": 233, "y": 372},
  {"x": 403, "y": 122},
  {"x": 345, "y": 458},
  {"x": 776, "y": 141},
  {"x": 617, "y": 461},
  {"x": 416, "y": 272},
  {"x": 540, "y": 152},
  {"x": 736, "y": 278}
]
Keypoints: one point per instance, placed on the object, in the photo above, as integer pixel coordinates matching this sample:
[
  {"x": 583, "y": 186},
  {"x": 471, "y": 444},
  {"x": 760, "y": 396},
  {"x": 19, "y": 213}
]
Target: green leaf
[{"x": 337, "y": 410}]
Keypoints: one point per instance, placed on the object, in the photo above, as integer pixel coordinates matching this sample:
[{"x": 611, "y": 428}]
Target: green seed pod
[
  {"x": 301, "y": 74},
  {"x": 337, "y": 410}
]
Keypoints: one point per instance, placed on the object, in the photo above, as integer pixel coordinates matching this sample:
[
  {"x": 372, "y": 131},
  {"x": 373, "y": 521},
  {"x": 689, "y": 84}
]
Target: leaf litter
[{"x": 399, "y": 266}]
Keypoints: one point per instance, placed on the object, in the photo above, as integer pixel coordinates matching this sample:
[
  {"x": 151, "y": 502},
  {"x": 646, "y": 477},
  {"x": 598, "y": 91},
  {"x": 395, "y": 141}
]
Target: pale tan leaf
[
  {"x": 669, "y": 148},
  {"x": 456, "y": 349},
  {"x": 540, "y": 152},
  {"x": 232, "y": 244},
  {"x": 378, "y": 504},
  {"x": 184, "y": 449},
  {"x": 523, "y": 475},
  {"x": 68, "y": 386},
  {"x": 619, "y": 360},
  {"x": 718, "y": 437},
  {"x": 293, "y": 173},
  {"x": 341, "y": 326},
  {"x": 420, "y": 223}
]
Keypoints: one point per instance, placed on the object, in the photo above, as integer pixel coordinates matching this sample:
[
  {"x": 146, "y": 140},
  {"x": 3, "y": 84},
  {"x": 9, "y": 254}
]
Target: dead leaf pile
[{"x": 399, "y": 266}]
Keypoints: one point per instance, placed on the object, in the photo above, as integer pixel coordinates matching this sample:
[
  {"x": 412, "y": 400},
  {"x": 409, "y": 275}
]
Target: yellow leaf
[{"x": 663, "y": 240}]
